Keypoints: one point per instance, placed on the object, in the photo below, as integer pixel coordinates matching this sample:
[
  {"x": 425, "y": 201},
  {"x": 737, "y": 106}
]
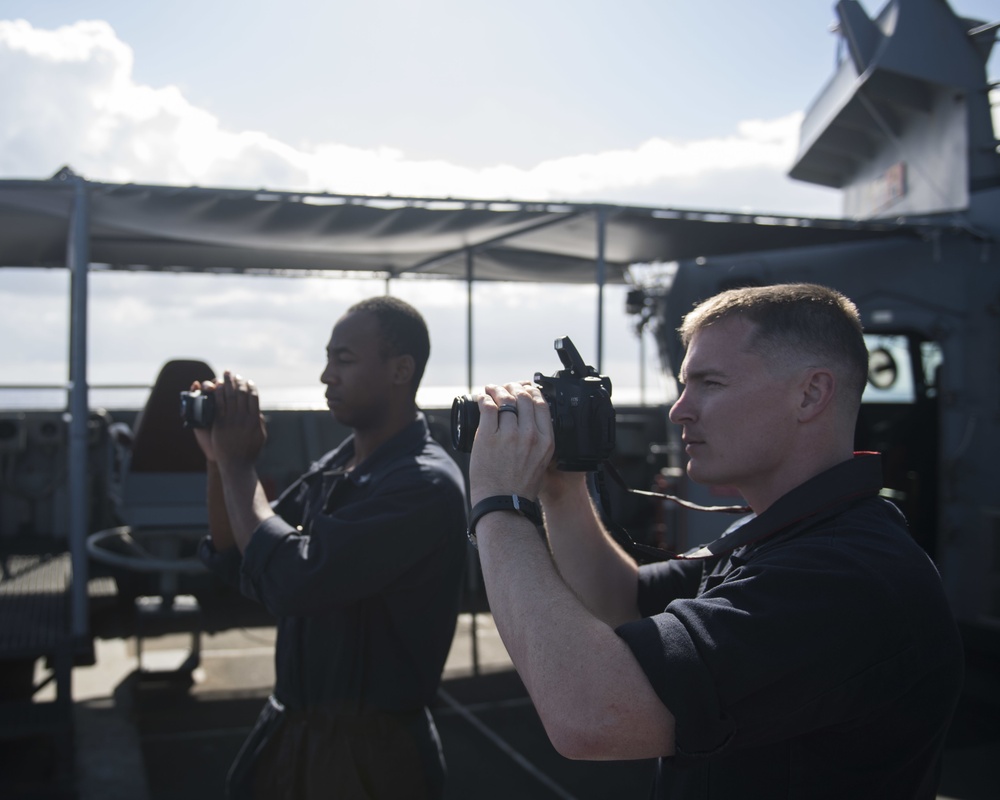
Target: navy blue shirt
[
  {"x": 362, "y": 571},
  {"x": 821, "y": 661}
]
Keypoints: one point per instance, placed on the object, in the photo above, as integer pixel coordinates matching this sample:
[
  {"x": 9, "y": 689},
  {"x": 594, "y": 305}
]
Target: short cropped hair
[
  {"x": 403, "y": 331},
  {"x": 802, "y": 318}
]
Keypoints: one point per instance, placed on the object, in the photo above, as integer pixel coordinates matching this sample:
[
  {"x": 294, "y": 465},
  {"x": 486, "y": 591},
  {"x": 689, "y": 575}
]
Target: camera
[
  {"x": 579, "y": 399},
  {"x": 197, "y": 409}
]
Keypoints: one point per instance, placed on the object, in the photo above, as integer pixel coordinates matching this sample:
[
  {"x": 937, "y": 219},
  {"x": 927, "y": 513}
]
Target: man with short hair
[
  {"x": 809, "y": 653},
  {"x": 361, "y": 562}
]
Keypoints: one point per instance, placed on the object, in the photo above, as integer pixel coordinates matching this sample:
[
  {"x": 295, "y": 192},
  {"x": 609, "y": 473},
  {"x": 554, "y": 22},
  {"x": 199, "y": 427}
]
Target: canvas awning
[{"x": 225, "y": 230}]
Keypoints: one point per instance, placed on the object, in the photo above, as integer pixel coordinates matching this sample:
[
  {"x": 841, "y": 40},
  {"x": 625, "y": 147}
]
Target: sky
[{"x": 653, "y": 102}]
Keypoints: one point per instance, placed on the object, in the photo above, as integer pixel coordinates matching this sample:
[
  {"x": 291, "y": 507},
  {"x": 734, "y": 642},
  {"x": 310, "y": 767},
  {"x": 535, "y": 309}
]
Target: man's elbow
[
  {"x": 576, "y": 743},
  {"x": 606, "y": 739}
]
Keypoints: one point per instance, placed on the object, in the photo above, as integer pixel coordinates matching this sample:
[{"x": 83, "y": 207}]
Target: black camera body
[
  {"x": 197, "y": 409},
  {"x": 579, "y": 399}
]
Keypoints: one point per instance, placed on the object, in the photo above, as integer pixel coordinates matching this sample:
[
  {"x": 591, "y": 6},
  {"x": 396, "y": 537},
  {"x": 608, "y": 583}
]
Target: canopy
[{"x": 226, "y": 230}]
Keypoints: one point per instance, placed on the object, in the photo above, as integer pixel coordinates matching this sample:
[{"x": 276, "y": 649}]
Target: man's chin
[
  {"x": 694, "y": 472},
  {"x": 717, "y": 485},
  {"x": 699, "y": 473}
]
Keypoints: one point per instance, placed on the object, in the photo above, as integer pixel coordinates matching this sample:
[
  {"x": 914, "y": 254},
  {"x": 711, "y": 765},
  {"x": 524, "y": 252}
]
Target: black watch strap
[{"x": 503, "y": 502}]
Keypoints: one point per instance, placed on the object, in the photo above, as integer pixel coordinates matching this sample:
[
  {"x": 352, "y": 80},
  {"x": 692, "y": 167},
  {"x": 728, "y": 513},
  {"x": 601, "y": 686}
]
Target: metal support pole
[
  {"x": 642, "y": 365},
  {"x": 602, "y": 220},
  {"x": 469, "y": 270},
  {"x": 473, "y": 565},
  {"x": 77, "y": 260}
]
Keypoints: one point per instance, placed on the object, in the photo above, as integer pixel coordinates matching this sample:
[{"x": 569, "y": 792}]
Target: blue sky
[
  {"x": 684, "y": 104},
  {"x": 479, "y": 83}
]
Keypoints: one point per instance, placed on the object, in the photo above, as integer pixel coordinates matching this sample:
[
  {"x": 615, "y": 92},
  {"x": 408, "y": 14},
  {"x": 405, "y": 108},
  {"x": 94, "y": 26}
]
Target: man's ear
[
  {"x": 403, "y": 368},
  {"x": 818, "y": 389}
]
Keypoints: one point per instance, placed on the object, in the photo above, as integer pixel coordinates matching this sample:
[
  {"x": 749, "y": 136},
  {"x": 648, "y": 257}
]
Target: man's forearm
[
  {"x": 603, "y": 576},
  {"x": 246, "y": 503},
  {"x": 589, "y": 691},
  {"x": 218, "y": 518}
]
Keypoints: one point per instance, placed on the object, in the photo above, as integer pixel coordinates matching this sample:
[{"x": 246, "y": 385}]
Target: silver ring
[{"x": 508, "y": 407}]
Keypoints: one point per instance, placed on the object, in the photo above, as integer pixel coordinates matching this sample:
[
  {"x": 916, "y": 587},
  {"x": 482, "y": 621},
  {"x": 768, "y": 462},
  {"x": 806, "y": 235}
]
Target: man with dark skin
[
  {"x": 360, "y": 560},
  {"x": 809, "y": 654}
]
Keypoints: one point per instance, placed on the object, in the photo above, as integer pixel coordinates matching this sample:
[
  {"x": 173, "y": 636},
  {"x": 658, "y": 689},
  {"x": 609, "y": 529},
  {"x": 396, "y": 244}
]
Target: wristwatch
[{"x": 503, "y": 502}]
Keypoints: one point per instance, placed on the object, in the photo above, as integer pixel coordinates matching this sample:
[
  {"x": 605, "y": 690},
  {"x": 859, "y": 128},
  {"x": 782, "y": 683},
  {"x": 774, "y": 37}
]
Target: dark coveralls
[
  {"x": 818, "y": 660},
  {"x": 362, "y": 571}
]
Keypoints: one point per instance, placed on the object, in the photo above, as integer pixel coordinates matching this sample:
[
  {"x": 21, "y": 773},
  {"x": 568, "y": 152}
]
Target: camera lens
[
  {"x": 197, "y": 409},
  {"x": 464, "y": 422}
]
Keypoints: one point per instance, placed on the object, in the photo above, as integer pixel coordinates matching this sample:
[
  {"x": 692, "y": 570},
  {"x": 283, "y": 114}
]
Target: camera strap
[
  {"x": 810, "y": 503},
  {"x": 646, "y": 552}
]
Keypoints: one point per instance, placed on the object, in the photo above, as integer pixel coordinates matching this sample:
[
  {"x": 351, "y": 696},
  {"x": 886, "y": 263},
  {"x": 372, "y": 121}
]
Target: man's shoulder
[
  {"x": 418, "y": 459},
  {"x": 433, "y": 460},
  {"x": 869, "y": 543},
  {"x": 867, "y": 517},
  {"x": 872, "y": 521}
]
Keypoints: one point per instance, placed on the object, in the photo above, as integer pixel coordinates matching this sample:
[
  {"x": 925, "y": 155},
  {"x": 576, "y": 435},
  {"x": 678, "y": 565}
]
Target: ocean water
[{"x": 272, "y": 398}]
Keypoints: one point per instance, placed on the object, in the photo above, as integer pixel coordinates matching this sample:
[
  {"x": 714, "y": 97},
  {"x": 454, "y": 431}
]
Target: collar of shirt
[
  {"x": 409, "y": 439},
  {"x": 819, "y": 498}
]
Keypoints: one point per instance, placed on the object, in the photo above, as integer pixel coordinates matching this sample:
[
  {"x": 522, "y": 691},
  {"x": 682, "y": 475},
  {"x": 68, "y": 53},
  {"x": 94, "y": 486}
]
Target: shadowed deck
[{"x": 144, "y": 737}]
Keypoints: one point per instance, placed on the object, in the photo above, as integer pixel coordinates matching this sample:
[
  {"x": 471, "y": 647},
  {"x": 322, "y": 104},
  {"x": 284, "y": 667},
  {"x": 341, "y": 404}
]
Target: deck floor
[{"x": 143, "y": 737}]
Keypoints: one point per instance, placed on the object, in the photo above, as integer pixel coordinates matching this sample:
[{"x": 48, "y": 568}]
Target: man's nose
[{"x": 680, "y": 411}]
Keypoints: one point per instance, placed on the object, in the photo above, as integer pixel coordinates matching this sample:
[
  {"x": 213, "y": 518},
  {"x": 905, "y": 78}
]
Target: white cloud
[
  {"x": 71, "y": 99},
  {"x": 756, "y": 144}
]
